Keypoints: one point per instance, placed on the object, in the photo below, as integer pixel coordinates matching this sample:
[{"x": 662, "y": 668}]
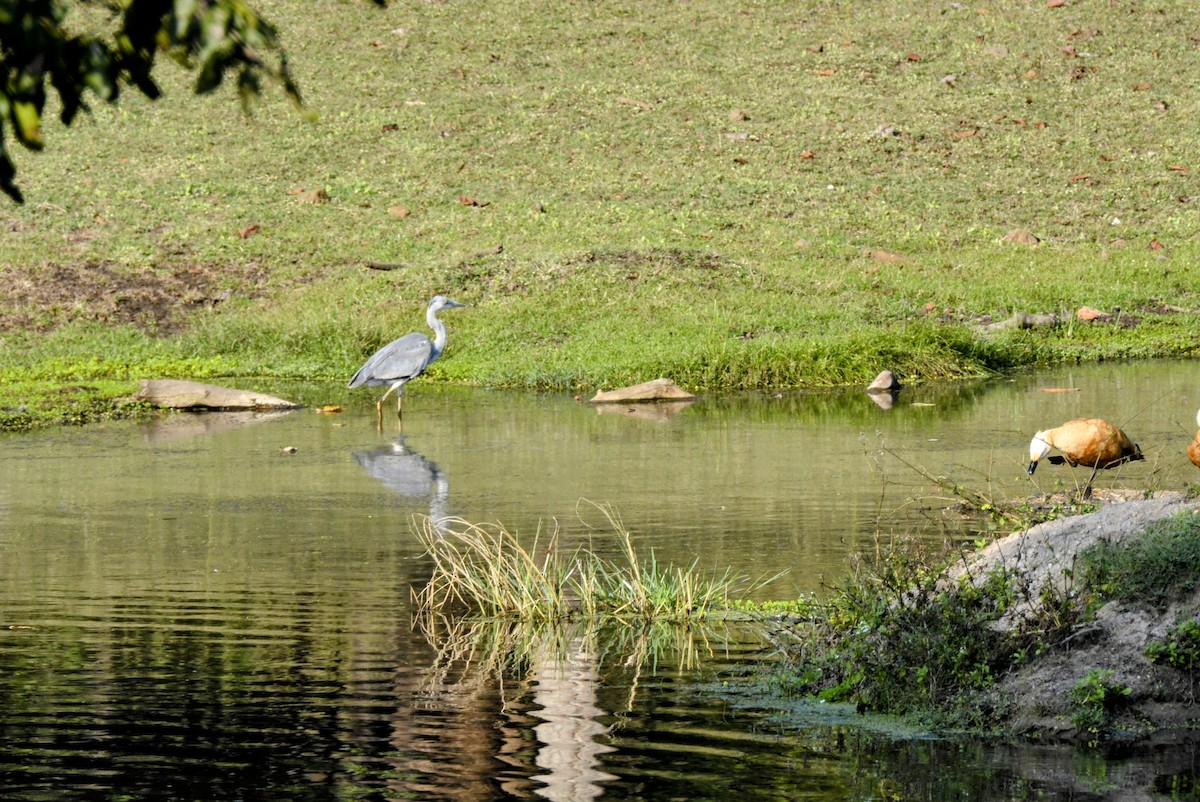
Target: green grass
[
  {"x": 899, "y": 636},
  {"x": 690, "y": 190},
  {"x": 25, "y": 405},
  {"x": 1180, "y": 648},
  {"x": 1094, "y": 701},
  {"x": 1161, "y": 564}
]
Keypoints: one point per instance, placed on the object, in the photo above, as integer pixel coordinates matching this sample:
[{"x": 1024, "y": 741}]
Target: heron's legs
[
  {"x": 379, "y": 404},
  {"x": 398, "y": 388}
]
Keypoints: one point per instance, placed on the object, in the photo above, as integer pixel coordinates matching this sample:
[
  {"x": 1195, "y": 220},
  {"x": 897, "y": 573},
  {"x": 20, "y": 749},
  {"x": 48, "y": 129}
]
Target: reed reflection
[
  {"x": 556, "y": 671},
  {"x": 550, "y": 677}
]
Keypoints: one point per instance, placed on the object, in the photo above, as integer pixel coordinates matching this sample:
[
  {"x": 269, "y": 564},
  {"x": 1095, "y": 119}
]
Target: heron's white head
[
  {"x": 1198, "y": 417},
  {"x": 442, "y": 302}
]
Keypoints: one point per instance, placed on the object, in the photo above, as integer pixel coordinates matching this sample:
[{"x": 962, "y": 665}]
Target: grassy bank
[{"x": 773, "y": 195}]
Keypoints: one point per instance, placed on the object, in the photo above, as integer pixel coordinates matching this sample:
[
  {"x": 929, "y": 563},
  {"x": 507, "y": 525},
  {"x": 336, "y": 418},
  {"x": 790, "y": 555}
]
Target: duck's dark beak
[{"x": 1032, "y": 467}]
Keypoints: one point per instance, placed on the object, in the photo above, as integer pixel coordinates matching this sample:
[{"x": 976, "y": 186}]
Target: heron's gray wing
[{"x": 400, "y": 359}]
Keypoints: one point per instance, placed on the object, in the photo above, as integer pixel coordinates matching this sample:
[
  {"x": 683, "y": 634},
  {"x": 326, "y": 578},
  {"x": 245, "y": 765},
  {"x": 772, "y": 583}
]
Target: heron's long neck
[{"x": 439, "y": 333}]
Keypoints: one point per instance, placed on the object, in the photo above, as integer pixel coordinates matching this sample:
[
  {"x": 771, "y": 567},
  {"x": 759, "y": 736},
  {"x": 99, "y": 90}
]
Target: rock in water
[
  {"x": 177, "y": 394},
  {"x": 885, "y": 382},
  {"x": 656, "y": 390}
]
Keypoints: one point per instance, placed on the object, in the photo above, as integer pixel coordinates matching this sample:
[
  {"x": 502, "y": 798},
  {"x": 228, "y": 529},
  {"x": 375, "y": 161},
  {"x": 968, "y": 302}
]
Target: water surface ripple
[{"x": 191, "y": 610}]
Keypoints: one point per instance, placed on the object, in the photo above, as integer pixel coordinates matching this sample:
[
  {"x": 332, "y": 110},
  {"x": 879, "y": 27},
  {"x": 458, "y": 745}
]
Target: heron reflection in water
[{"x": 409, "y": 474}]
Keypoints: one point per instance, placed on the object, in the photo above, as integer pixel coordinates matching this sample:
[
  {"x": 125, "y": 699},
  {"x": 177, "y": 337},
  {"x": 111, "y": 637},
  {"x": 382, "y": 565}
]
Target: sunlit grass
[
  {"x": 1161, "y": 564},
  {"x": 662, "y": 189}
]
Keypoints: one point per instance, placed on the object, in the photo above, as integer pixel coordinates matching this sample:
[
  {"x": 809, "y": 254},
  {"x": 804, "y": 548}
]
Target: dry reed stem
[{"x": 485, "y": 568}]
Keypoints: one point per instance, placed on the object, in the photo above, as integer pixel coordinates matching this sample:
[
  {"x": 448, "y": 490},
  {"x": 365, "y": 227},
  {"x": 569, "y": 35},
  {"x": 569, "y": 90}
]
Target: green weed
[
  {"x": 897, "y": 636},
  {"x": 1179, "y": 649},
  {"x": 1094, "y": 700},
  {"x": 1160, "y": 564},
  {"x": 488, "y": 569},
  {"x": 24, "y": 406}
]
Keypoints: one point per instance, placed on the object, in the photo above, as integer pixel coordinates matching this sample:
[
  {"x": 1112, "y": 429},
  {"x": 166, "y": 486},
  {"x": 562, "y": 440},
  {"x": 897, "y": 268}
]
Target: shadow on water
[{"x": 220, "y": 607}]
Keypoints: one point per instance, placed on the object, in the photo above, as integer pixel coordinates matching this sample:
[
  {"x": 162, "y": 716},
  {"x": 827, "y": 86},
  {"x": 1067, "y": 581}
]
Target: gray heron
[{"x": 405, "y": 359}]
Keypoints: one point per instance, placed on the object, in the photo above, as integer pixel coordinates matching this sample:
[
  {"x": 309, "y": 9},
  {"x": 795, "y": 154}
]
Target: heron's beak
[{"x": 1032, "y": 467}]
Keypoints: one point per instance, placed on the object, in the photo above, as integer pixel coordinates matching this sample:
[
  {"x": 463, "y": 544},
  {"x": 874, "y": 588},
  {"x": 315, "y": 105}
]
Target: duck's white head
[{"x": 1039, "y": 447}]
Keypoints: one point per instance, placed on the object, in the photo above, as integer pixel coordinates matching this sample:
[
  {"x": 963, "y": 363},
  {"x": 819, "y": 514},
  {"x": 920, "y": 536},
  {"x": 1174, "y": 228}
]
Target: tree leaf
[
  {"x": 27, "y": 122},
  {"x": 211, "y": 38},
  {"x": 7, "y": 173}
]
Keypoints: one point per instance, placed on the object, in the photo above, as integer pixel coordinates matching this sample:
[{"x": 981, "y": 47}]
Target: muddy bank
[{"x": 1034, "y": 699}]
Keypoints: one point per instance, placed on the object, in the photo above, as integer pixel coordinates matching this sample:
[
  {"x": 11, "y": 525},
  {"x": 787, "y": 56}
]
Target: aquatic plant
[{"x": 490, "y": 571}]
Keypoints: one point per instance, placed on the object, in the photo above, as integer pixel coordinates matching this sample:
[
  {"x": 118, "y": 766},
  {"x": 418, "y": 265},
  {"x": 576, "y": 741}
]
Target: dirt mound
[{"x": 1036, "y": 698}]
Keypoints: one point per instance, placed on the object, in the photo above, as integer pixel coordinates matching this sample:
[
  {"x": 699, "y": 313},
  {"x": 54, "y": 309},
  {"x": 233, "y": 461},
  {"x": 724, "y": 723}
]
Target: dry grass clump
[{"x": 486, "y": 568}]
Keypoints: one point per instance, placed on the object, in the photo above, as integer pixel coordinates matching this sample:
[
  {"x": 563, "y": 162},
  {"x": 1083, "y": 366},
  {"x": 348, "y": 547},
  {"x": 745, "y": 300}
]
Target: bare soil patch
[{"x": 158, "y": 300}]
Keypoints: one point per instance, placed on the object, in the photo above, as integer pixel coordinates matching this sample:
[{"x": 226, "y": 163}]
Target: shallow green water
[{"x": 187, "y": 612}]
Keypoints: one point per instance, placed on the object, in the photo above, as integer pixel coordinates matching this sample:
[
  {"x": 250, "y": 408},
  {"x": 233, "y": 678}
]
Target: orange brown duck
[
  {"x": 1193, "y": 449},
  {"x": 1091, "y": 442}
]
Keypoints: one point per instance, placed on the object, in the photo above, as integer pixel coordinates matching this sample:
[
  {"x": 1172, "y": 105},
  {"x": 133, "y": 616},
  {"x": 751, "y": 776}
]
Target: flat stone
[
  {"x": 178, "y": 394},
  {"x": 656, "y": 390}
]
